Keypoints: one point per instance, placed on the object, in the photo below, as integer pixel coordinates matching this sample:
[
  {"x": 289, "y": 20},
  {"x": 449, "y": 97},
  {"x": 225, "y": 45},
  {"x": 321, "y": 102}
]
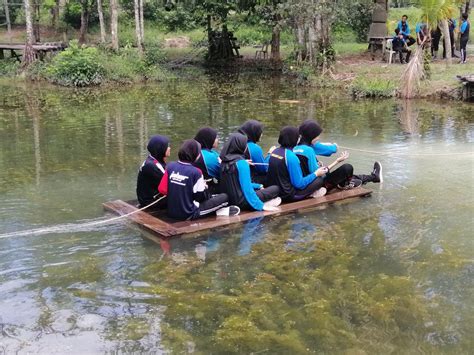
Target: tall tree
[
  {"x": 114, "y": 24},
  {"x": 138, "y": 26},
  {"x": 29, "y": 52},
  {"x": 84, "y": 21},
  {"x": 7, "y": 19},
  {"x": 101, "y": 21},
  {"x": 142, "y": 23}
]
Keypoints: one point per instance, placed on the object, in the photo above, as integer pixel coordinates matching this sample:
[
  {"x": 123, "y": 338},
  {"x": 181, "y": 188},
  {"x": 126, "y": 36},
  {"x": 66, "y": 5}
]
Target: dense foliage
[{"x": 76, "y": 66}]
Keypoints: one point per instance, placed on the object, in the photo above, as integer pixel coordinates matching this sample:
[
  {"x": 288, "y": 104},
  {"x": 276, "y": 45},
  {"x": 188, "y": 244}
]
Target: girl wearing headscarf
[
  {"x": 152, "y": 170},
  {"x": 285, "y": 171},
  {"x": 186, "y": 189},
  {"x": 343, "y": 177},
  {"x": 236, "y": 179},
  {"x": 253, "y": 130},
  {"x": 209, "y": 161}
]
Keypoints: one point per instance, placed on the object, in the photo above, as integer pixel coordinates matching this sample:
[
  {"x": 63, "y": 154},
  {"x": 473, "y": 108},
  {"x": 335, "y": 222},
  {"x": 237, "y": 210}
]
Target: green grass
[
  {"x": 349, "y": 48},
  {"x": 373, "y": 88}
]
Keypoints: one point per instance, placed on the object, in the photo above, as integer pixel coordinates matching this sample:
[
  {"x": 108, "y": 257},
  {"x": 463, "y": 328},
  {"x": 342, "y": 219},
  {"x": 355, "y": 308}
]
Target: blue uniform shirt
[
  {"x": 247, "y": 186},
  {"x": 256, "y": 155},
  {"x": 407, "y": 28},
  {"x": 308, "y": 152},
  {"x": 295, "y": 172},
  {"x": 211, "y": 159}
]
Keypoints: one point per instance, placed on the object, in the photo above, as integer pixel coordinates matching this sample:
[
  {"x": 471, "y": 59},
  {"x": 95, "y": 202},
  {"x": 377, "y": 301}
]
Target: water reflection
[{"x": 326, "y": 279}]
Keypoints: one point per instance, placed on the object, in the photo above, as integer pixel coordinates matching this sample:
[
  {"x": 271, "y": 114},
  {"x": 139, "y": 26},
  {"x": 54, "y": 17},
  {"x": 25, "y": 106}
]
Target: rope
[
  {"x": 398, "y": 152},
  {"x": 84, "y": 225}
]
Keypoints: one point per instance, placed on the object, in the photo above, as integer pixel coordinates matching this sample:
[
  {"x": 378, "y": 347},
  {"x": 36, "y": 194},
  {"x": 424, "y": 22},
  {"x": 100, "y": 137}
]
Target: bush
[
  {"x": 374, "y": 88},
  {"x": 76, "y": 66},
  {"x": 357, "y": 16},
  {"x": 8, "y": 67}
]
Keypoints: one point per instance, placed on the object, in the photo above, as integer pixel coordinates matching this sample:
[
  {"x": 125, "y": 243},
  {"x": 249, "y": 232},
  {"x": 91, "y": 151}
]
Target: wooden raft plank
[
  {"x": 141, "y": 218},
  {"x": 164, "y": 229},
  {"x": 184, "y": 227}
]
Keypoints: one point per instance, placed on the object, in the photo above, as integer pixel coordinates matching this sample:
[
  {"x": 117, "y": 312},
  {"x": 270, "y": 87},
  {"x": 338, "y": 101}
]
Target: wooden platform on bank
[
  {"x": 41, "y": 49},
  {"x": 159, "y": 224}
]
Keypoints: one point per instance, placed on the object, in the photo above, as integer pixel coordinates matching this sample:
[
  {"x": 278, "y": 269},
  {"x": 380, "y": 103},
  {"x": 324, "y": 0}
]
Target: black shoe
[
  {"x": 351, "y": 184},
  {"x": 377, "y": 172}
]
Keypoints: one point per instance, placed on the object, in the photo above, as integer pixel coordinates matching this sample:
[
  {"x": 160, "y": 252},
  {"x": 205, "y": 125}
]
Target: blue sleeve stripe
[
  {"x": 295, "y": 172},
  {"x": 245, "y": 181}
]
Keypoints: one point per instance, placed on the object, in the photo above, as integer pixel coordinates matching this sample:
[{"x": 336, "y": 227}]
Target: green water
[{"x": 392, "y": 273}]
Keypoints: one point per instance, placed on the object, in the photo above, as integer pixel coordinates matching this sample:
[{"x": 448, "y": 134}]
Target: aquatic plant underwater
[{"x": 323, "y": 292}]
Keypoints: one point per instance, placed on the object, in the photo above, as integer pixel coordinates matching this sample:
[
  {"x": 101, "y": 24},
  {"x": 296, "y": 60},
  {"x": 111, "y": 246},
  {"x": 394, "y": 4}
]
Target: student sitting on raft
[
  {"x": 253, "y": 130},
  {"x": 186, "y": 189},
  {"x": 151, "y": 172},
  {"x": 342, "y": 177},
  {"x": 284, "y": 170},
  {"x": 236, "y": 179},
  {"x": 209, "y": 161}
]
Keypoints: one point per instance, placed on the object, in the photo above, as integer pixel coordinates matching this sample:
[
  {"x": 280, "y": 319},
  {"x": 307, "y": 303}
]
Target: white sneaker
[
  {"x": 274, "y": 202},
  {"x": 319, "y": 193},
  {"x": 228, "y": 211}
]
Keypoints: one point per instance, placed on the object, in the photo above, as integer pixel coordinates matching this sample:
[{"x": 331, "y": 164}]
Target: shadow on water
[{"x": 390, "y": 273}]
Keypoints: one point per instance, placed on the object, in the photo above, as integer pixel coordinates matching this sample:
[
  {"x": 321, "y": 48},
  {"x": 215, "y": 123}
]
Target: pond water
[{"x": 392, "y": 273}]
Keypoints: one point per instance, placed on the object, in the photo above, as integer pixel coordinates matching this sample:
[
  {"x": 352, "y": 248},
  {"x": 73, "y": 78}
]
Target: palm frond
[{"x": 412, "y": 75}]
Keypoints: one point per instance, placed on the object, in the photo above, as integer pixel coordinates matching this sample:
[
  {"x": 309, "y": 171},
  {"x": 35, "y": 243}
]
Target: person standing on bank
[
  {"x": 209, "y": 161},
  {"x": 404, "y": 29},
  {"x": 236, "y": 179},
  {"x": 284, "y": 170},
  {"x": 151, "y": 172},
  {"x": 465, "y": 27},
  {"x": 186, "y": 189}
]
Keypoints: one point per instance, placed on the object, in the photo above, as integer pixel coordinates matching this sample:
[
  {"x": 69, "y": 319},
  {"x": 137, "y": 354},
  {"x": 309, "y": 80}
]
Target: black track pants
[{"x": 213, "y": 204}]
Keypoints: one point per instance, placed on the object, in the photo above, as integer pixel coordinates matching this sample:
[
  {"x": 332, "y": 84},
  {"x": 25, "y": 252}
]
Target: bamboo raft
[{"x": 159, "y": 225}]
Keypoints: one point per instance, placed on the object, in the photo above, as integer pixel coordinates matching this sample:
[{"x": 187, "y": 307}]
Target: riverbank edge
[{"x": 353, "y": 75}]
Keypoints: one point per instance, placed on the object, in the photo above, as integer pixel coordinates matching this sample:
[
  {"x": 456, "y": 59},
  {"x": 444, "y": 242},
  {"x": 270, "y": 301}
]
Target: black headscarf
[
  {"x": 157, "y": 146},
  {"x": 206, "y": 137},
  {"x": 252, "y": 129},
  {"x": 309, "y": 130},
  {"x": 288, "y": 137},
  {"x": 234, "y": 149},
  {"x": 189, "y": 151}
]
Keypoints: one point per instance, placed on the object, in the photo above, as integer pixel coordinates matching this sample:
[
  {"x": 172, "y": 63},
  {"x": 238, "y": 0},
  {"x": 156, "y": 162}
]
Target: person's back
[
  {"x": 184, "y": 181},
  {"x": 149, "y": 177},
  {"x": 186, "y": 189},
  {"x": 152, "y": 170},
  {"x": 278, "y": 173}
]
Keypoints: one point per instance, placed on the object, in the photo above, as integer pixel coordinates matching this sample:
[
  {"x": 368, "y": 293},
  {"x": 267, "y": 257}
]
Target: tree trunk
[
  {"x": 36, "y": 27},
  {"x": 114, "y": 24},
  {"x": 275, "y": 50},
  {"x": 136, "y": 7},
  {"x": 55, "y": 14},
  {"x": 101, "y": 21},
  {"x": 300, "y": 39},
  {"x": 447, "y": 40},
  {"x": 84, "y": 21},
  {"x": 142, "y": 23},
  {"x": 313, "y": 34},
  {"x": 29, "y": 52},
  {"x": 7, "y": 19}
]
